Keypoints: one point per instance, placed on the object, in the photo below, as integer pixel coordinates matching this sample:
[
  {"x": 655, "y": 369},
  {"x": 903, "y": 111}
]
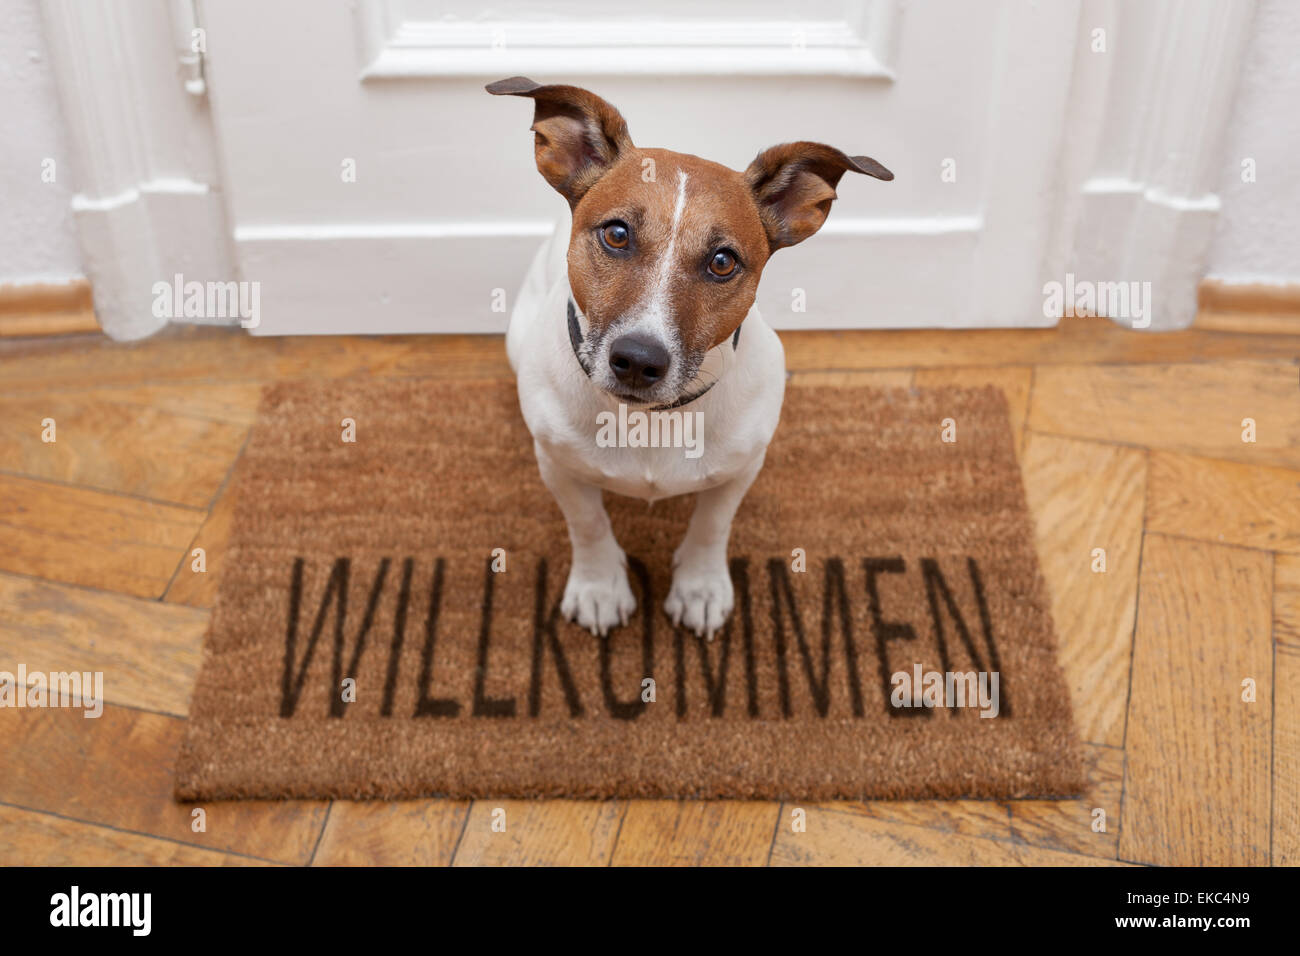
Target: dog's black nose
[{"x": 638, "y": 360}]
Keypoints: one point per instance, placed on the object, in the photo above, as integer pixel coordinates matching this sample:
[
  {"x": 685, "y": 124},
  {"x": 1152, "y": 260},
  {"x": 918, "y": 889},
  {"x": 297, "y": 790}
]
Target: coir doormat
[{"x": 388, "y": 620}]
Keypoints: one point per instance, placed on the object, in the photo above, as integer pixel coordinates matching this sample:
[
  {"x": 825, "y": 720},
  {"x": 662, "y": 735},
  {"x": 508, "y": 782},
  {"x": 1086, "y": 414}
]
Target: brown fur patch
[
  {"x": 577, "y": 135},
  {"x": 719, "y": 213},
  {"x": 794, "y": 186}
]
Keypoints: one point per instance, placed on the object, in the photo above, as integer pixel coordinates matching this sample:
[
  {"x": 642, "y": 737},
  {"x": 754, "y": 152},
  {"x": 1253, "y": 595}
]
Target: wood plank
[
  {"x": 199, "y": 588},
  {"x": 1286, "y": 710},
  {"x": 92, "y": 538},
  {"x": 541, "y": 833},
  {"x": 1279, "y": 302},
  {"x": 833, "y": 838},
  {"x": 990, "y": 819},
  {"x": 232, "y": 402},
  {"x": 48, "y": 323},
  {"x": 116, "y": 770},
  {"x": 127, "y": 448},
  {"x": 207, "y": 354},
  {"x": 1242, "y": 320},
  {"x": 1068, "y": 824},
  {"x": 391, "y": 833},
  {"x": 1073, "y": 341},
  {"x": 1196, "y": 789},
  {"x": 1253, "y": 506},
  {"x": 696, "y": 833},
  {"x": 1085, "y": 496},
  {"x": 148, "y": 652},
  {"x": 1194, "y": 408},
  {"x": 1014, "y": 381},
  {"x": 1286, "y": 758},
  {"x": 871, "y": 378},
  {"x": 1286, "y": 599},
  {"x": 28, "y": 838},
  {"x": 26, "y": 298},
  {"x": 46, "y": 308}
]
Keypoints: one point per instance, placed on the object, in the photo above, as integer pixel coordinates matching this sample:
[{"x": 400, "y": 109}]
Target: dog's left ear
[
  {"x": 577, "y": 134},
  {"x": 794, "y": 186}
]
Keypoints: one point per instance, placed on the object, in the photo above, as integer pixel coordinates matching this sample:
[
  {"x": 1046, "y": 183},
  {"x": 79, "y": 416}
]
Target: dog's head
[{"x": 667, "y": 248}]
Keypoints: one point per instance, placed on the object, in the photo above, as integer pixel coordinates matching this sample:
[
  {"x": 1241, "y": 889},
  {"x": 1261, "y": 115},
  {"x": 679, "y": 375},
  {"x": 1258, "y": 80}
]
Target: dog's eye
[
  {"x": 723, "y": 263},
  {"x": 616, "y": 235}
]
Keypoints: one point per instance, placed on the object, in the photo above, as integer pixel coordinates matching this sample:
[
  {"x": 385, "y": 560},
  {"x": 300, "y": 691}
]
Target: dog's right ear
[
  {"x": 577, "y": 134},
  {"x": 794, "y": 186}
]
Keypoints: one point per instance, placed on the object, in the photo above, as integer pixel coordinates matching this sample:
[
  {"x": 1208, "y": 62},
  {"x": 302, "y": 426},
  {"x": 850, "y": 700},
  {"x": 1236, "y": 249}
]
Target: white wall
[
  {"x": 1258, "y": 235},
  {"x": 37, "y": 241}
]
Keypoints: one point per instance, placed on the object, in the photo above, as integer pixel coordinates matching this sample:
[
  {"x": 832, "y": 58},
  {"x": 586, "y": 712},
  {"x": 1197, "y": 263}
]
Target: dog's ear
[
  {"x": 577, "y": 135},
  {"x": 794, "y": 185}
]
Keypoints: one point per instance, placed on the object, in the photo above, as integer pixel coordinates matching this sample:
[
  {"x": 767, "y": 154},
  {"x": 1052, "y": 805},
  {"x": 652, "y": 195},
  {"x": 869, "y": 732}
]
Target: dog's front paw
[
  {"x": 598, "y": 600},
  {"x": 701, "y": 595}
]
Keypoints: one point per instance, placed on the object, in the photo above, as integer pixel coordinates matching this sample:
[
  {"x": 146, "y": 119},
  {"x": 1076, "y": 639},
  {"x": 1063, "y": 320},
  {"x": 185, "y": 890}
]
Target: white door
[{"x": 373, "y": 186}]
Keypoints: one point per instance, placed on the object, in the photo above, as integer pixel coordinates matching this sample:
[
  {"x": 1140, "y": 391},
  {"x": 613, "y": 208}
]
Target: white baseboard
[{"x": 444, "y": 277}]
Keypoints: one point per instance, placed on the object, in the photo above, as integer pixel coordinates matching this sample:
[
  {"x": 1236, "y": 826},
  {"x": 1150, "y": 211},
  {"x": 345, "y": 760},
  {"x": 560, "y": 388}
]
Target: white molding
[
  {"x": 540, "y": 228},
  {"x": 157, "y": 187},
  {"x": 901, "y": 226},
  {"x": 145, "y": 206},
  {"x": 1141, "y": 192},
  {"x": 473, "y": 229},
  {"x": 307, "y": 274},
  {"x": 1032, "y": 40},
  {"x": 861, "y": 44}
]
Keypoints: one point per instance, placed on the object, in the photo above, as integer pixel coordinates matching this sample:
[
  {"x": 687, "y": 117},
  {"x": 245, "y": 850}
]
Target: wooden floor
[{"x": 1130, "y": 442}]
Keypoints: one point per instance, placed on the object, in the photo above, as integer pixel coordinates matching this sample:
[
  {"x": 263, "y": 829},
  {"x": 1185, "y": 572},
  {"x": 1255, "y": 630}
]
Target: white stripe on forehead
[
  {"x": 665, "y": 270},
  {"x": 652, "y": 315}
]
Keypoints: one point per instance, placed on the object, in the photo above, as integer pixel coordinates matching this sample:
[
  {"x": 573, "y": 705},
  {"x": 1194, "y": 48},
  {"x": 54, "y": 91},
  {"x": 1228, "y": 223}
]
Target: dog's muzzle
[{"x": 645, "y": 361}]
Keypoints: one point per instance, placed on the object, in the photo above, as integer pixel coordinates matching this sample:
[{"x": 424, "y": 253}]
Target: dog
[{"x": 650, "y": 307}]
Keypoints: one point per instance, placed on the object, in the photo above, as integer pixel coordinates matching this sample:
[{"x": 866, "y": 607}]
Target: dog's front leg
[
  {"x": 701, "y": 595},
  {"x": 597, "y": 594}
]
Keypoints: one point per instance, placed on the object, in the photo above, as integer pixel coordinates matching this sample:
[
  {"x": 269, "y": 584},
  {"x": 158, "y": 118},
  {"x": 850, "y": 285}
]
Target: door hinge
[{"x": 191, "y": 45}]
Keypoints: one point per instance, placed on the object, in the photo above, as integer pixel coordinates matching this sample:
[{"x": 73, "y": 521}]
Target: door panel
[{"x": 447, "y": 206}]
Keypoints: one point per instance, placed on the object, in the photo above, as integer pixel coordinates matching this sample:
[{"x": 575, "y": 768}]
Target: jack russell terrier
[{"x": 653, "y": 308}]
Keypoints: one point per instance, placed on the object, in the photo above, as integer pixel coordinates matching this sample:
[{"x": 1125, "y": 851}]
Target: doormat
[{"x": 388, "y": 616}]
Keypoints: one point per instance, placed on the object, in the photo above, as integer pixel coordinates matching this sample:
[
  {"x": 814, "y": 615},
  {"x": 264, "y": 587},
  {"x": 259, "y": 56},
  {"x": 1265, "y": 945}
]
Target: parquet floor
[{"x": 1130, "y": 442}]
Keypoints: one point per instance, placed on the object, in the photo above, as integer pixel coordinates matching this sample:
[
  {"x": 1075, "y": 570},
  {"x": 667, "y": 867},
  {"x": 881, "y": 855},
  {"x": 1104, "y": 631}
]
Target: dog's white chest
[{"x": 621, "y": 460}]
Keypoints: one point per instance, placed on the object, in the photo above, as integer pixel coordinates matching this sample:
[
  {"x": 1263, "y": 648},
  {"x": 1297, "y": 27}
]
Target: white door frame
[
  {"x": 1142, "y": 164},
  {"x": 1134, "y": 192},
  {"x": 147, "y": 203}
]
